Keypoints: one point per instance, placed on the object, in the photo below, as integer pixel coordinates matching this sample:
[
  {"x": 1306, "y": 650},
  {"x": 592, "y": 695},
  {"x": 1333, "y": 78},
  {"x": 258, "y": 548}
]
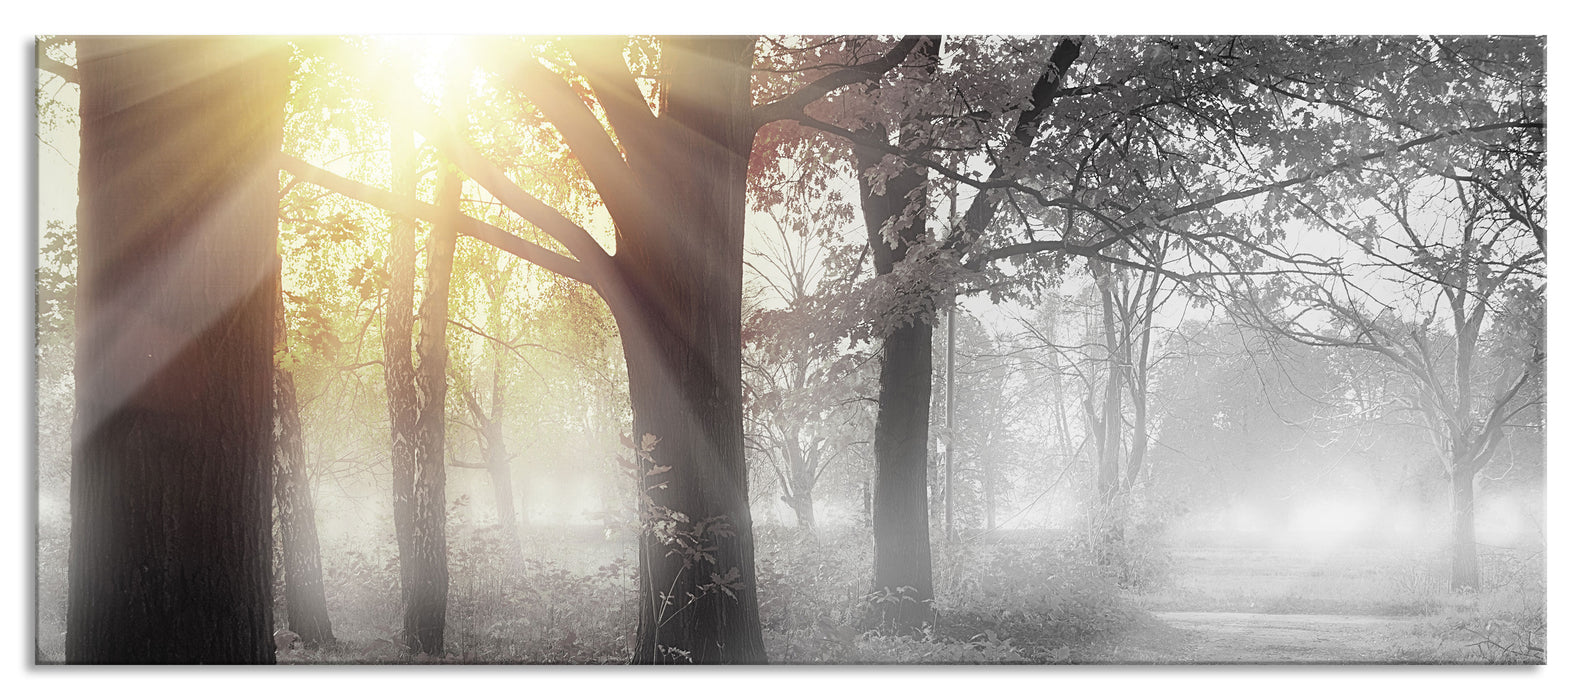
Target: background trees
[{"x": 1192, "y": 177}]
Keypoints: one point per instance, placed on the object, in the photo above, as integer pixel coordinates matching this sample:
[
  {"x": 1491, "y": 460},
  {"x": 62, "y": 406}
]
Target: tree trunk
[
  {"x": 424, "y": 622},
  {"x": 1463, "y": 534},
  {"x": 307, "y": 614},
  {"x": 678, "y": 307},
  {"x": 950, "y": 423},
  {"x": 803, "y": 468},
  {"x": 400, "y": 376},
  {"x": 1109, "y": 517},
  {"x": 170, "y": 489},
  {"x": 499, "y": 465},
  {"x": 903, "y": 567}
]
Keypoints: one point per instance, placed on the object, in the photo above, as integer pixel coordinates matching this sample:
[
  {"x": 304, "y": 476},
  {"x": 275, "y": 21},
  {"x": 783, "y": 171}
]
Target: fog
[{"x": 1109, "y": 350}]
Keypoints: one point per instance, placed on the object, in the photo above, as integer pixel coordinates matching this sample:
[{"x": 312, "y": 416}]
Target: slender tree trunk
[
  {"x": 903, "y": 567},
  {"x": 950, "y": 423},
  {"x": 802, "y": 465},
  {"x": 505, "y": 506},
  {"x": 170, "y": 489},
  {"x": 1463, "y": 534},
  {"x": 307, "y": 614},
  {"x": 990, "y": 497},
  {"x": 1062, "y": 427},
  {"x": 425, "y": 612},
  {"x": 1110, "y": 517},
  {"x": 678, "y": 307},
  {"x": 400, "y": 375},
  {"x": 499, "y": 465}
]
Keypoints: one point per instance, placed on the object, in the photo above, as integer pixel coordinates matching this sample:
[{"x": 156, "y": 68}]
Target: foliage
[{"x": 1127, "y": 165}]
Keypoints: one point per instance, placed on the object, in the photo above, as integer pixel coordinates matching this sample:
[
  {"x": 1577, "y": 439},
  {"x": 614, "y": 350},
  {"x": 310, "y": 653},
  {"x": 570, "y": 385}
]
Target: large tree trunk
[
  {"x": 307, "y": 614},
  {"x": 679, "y": 312},
  {"x": 1463, "y": 534},
  {"x": 171, "y": 541},
  {"x": 903, "y": 567}
]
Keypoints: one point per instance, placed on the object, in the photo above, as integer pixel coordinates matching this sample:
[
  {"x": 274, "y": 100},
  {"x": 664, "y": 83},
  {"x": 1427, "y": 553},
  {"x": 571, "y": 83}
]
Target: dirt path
[{"x": 1261, "y": 638}]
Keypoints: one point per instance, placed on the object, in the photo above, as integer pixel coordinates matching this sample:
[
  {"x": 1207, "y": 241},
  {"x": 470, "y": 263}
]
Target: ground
[
  {"x": 1350, "y": 605},
  {"x": 1264, "y": 638},
  {"x": 1020, "y": 599}
]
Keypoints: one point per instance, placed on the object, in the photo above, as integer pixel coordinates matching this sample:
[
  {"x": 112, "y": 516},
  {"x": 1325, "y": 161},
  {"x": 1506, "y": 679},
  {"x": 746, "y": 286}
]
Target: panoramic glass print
[{"x": 791, "y": 350}]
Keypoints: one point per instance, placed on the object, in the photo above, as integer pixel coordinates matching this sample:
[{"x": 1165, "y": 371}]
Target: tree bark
[
  {"x": 170, "y": 550},
  {"x": 677, "y": 302},
  {"x": 307, "y": 613}
]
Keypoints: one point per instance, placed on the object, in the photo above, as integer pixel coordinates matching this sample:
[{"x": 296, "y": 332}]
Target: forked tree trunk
[
  {"x": 170, "y": 489},
  {"x": 307, "y": 614},
  {"x": 1463, "y": 534},
  {"x": 496, "y": 460},
  {"x": 903, "y": 567},
  {"x": 679, "y": 314}
]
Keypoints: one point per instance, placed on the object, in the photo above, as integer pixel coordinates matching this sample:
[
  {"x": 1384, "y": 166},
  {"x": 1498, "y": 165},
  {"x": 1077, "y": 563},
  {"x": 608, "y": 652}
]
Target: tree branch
[
  {"x": 49, "y": 64},
  {"x": 605, "y": 68},
  {"x": 791, "y": 106},
  {"x": 1344, "y": 164},
  {"x": 490, "y": 234},
  {"x": 492, "y": 178},
  {"x": 581, "y": 130}
]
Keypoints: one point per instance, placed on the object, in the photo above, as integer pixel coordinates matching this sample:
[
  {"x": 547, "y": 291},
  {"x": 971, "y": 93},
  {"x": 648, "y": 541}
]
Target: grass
[
  {"x": 1504, "y": 623},
  {"x": 1027, "y": 598}
]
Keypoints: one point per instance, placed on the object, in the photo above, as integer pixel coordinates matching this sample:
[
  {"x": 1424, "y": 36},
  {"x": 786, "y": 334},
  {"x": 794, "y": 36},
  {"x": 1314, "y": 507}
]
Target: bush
[
  {"x": 538, "y": 612},
  {"x": 1045, "y": 598},
  {"x": 1509, "y": 621}
]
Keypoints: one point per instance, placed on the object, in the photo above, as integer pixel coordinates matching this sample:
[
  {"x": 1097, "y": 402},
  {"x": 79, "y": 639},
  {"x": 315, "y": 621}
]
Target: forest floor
[
  {"x": 1016, "y": 601},
  {"x": 1265, "y": 638},
  {"x": 1293, "y": 605}
]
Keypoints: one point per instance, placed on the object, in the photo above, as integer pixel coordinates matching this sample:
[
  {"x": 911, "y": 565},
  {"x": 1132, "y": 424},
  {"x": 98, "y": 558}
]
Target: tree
[
  {"x": 307, "y": 614},
  {"x": 1439, "y": 240},
  {"x": 401, "y": 398},
  {"x": 1452, "y": 280},
  {"x": 1166, "y": 135},
  {"x": 488, "y": 424},
  {"x": 895, "y": 210},
  {"x": 417, "y": 397},
  {"x": 802, "y": 417},
  {"x": 171, "y": 470}
]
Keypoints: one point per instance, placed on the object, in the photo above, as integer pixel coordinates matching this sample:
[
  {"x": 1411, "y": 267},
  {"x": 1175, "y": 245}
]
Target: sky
[{"x": 1020, "y": 16}]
